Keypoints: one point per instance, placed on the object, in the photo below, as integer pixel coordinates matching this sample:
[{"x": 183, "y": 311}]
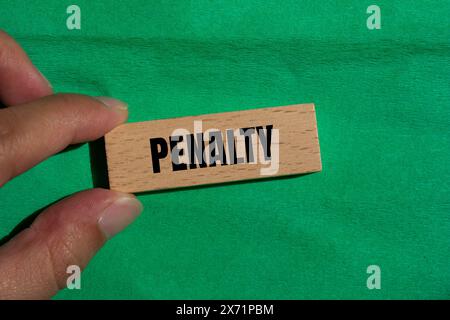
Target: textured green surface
[{"x": 382, "y": 99}]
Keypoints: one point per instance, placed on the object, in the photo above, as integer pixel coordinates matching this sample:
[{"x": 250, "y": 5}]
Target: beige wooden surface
[{"x": 130, "y": 163}]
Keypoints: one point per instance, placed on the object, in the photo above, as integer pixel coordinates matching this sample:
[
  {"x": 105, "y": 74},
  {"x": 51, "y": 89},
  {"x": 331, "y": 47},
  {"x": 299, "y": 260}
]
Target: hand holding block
[{"x": 214, "y": 148}]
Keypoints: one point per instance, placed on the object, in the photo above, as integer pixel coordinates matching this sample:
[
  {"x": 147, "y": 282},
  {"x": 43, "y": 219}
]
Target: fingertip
[
  {"x": 114, "y": 104},
  {"x": 89, "y": 116},
  {"x": 48, "y": 125},
  {"x": 48, "y": 86},
  {"x": 117, "y": 216},
  {"x": 67, "y": 233}
]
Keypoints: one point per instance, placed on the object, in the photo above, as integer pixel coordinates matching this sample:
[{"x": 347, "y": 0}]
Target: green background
[{"x": 382, "y": 99}]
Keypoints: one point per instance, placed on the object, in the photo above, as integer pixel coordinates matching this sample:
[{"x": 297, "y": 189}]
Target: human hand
[{"x": 34, "y": 125}]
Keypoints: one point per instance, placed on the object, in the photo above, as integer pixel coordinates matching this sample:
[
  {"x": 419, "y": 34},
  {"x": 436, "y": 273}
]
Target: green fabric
[{"x": 382, "y": 99}]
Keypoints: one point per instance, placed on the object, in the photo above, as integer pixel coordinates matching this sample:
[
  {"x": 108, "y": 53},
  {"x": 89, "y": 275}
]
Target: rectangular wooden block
[{"x": 213, "y": 148}]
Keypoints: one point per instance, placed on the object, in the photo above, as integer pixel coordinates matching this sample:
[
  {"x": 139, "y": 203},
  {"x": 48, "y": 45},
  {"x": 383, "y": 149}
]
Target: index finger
[{"x": 31, "y": 132}]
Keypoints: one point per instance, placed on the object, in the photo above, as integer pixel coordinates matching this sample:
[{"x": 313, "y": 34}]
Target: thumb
[{"x": 33, "y": 264}]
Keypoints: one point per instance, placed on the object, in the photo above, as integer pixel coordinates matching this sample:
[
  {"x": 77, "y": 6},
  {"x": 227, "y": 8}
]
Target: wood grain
[{"x": 130, "y": 165}]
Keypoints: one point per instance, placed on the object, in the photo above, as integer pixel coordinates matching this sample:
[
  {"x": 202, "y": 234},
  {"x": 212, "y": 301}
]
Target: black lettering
[
  {"x": 266, "y": 140},
  {"x": 175, "y": 152},
  {"x": 196, "y": 149},
  {"x": 157, "y": 155},
  {"x": 231, "y": 142},
  {"x": 247, "y": 133},
  {"x": 216, "y": 149}
]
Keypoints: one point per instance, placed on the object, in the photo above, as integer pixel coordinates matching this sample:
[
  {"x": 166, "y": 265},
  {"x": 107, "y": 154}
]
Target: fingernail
[
  {"x": 112, "y": 103},
  {"x": 46, "y": 80},
  {"x": 118, "y": 215}
]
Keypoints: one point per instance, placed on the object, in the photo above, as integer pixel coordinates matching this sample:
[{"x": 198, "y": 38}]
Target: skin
[{"x": 35, "y": 125}]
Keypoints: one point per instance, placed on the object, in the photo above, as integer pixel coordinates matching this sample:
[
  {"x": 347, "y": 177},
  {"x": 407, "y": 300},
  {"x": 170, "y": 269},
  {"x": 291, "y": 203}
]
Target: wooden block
[{"x": 214, "y": 148}]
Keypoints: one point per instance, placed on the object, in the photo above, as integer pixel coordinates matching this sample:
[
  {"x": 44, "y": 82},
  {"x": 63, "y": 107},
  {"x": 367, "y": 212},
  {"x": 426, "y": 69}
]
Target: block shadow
[{"x": 99, "y": 167}]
